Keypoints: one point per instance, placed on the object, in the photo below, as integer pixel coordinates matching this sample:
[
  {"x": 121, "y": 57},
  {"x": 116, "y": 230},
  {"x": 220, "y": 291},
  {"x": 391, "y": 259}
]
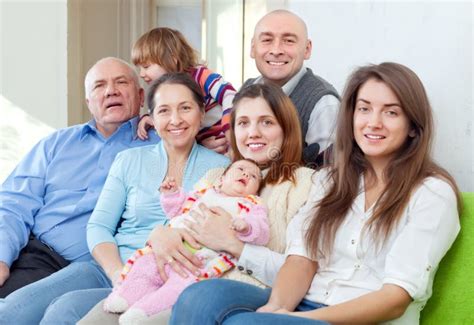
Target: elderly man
[
  {"x": 47, "y": 200},
  {"x": 279, "y": 46}
]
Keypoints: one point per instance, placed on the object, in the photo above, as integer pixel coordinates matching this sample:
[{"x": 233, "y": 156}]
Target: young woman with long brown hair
[{"x": 366, "y": 246}]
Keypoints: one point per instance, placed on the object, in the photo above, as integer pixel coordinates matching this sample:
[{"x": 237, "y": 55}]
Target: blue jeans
[
  {"x": 29, "y": 305},
  {"x": 221, "y": 301}
]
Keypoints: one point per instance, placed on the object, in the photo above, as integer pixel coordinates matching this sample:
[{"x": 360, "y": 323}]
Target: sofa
[{"x": 453, "y": 289}]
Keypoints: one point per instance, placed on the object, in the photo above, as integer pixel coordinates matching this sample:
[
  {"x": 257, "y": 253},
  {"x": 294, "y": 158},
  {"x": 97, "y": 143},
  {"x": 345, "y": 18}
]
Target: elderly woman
[
  {"x": 128, "y": 207},
  {"x": 264, "y": 128}
]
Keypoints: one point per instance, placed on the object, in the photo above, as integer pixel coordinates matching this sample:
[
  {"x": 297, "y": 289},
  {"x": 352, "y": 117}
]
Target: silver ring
[{"x": 170, "y": 260}]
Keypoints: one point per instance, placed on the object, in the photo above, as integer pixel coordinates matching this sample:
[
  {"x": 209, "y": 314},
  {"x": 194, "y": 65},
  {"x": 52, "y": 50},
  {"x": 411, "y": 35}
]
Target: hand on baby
[
  {"x": 240, "y": 225},
  {"x": 168, "y": 185}
]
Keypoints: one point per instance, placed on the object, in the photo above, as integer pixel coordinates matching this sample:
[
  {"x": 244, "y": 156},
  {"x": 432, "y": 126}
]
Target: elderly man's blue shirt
[{"x": 53, "y": 190}]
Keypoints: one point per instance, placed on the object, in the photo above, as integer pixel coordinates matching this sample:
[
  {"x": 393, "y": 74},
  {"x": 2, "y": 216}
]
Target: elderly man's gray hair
[{"x": 133, "y": 73}]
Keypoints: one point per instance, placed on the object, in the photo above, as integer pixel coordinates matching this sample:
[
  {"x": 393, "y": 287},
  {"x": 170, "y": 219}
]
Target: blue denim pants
[
  {"x": 61, "y": 298},
  {"x": 221, "y": 301}
]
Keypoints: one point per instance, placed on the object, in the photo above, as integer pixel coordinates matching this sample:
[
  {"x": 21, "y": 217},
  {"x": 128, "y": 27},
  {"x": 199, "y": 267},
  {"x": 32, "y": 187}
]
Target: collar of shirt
[
  {"x": 290, "y": 84},
  {"x": 359, "y": 202},
  {"x": 91, "y": 127}
]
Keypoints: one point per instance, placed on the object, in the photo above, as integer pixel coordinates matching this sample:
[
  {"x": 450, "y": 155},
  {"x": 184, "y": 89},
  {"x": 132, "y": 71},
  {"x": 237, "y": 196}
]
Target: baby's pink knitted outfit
[{"x": 141, "y": 293}]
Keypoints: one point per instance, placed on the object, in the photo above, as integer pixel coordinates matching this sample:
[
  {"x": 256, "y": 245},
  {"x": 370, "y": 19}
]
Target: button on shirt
[
  {"x": 409, "y": 258},
  {"x": 53, "y": 190}
]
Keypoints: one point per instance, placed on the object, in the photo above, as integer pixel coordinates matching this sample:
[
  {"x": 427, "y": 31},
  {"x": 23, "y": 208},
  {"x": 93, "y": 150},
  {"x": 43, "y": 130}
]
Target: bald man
[
  {"x": 47, "y": 200},
  {"x": 280, "y": 45}
]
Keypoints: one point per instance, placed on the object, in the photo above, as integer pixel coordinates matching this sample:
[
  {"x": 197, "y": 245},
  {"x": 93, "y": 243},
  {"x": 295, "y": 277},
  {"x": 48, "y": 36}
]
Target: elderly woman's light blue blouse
[{"x": 129, "y": 205}]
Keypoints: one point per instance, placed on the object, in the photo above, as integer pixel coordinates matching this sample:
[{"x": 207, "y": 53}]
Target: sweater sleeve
[
  {"x": 431, "y": 228},
  {"x": 171, "y": 203},
  {"x": 221, "y": 91},
  {"x": 21, "y": 197},
  {"x": 322, "y": 122},
  {"x": 259, "y": 230},
  {"x": 260, "y": 261}
]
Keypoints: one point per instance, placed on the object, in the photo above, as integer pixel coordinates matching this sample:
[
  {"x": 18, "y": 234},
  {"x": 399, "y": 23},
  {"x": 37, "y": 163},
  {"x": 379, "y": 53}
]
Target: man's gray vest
[{"x": 309, "y": 90}]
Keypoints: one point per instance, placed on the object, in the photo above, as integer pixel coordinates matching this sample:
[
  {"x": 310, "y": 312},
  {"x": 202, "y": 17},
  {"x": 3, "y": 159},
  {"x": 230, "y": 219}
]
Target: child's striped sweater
[{"x": 218, "y": 96}]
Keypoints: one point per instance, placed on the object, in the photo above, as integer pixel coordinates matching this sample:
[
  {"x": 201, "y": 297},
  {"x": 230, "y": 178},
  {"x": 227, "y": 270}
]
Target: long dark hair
[
  {"x": 180, "y": 78},
  {"x": 288, "y": 159},
  {"x": 407, "y": 170}
]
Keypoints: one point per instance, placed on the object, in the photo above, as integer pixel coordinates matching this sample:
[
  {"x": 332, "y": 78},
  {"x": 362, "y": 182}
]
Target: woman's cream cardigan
[{"x": 283, "y": 201}]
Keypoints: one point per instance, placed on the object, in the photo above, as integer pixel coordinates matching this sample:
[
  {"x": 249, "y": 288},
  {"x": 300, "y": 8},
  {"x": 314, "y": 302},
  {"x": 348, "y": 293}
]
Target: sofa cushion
[{"x": 453, "y": 289}]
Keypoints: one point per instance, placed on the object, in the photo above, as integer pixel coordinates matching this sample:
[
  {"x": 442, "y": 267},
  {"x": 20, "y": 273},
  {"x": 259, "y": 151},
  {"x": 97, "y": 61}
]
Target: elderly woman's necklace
[{"x": 176, "y": 170}]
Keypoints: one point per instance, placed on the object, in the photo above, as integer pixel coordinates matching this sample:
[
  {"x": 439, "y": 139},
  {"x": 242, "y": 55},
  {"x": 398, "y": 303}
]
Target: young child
[
  {"x": 140, "y": 292},
  {"x": 163, "y": 50}
]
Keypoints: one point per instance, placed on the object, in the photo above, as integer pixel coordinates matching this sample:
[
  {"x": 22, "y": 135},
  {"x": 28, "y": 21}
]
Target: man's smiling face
[{"x": 279, "y": 46}]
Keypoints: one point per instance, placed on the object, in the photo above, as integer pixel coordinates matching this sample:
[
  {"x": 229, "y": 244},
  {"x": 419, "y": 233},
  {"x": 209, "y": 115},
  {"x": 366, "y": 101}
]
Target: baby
[{"x": 140, "y": 292}]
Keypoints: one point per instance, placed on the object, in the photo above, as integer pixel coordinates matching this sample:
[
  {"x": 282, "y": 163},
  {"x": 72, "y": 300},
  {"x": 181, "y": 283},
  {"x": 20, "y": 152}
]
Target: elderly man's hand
[{"x": 4, "y": 273}]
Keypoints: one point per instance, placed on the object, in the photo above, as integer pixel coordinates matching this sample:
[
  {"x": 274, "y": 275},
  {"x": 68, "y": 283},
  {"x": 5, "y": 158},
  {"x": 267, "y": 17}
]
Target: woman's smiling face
[
  {"x": 381, "y": 126},
  {"x": 258, "y": 134},
  {"x": 177, "y": 116}
]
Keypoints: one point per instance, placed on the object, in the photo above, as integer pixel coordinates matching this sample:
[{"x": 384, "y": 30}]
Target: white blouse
[{"x": 409, "y": 258}]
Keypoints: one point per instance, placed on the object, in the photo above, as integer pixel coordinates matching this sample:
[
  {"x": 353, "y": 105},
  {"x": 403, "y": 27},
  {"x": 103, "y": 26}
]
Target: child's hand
[
  {"x": 218, "y": 144},
  {"x": 240, "y": 225},
  {"x": 168, "y": 185},
  {"x": 145, "y": 123}
]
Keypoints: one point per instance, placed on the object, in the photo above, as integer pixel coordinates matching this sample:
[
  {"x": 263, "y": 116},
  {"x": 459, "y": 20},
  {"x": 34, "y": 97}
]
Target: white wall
[
  {"x": 33, "y": 58},
  {"x": 46, "y": 47},
  {"x": 183, "y": 15},
  {"x": 224, "y": 38},
  {"x": 432, "y": 38},
  {"x": 19, "y": 132}
]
